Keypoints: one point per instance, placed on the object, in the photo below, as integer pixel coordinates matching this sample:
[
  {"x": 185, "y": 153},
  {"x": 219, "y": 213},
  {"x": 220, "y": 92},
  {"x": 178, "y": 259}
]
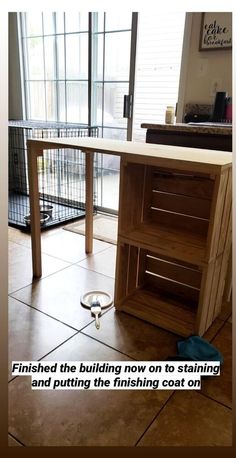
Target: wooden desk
[{"x": 205, "y": 174}]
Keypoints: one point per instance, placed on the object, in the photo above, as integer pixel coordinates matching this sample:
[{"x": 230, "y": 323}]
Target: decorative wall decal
[{"x": 216, "y": 31}]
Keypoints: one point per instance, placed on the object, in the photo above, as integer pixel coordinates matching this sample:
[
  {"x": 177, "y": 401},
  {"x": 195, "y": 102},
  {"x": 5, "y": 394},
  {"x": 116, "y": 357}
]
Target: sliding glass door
[
  {"x": 111, "y": 75},
  {"x": 76, "y": 68},
  {"x": 80, "y": 68}
]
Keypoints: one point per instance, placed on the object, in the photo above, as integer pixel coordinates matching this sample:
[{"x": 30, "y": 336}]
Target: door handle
[{"x": 128, "y": 105}]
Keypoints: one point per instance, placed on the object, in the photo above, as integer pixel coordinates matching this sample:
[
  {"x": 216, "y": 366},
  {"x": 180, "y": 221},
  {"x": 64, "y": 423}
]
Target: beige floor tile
[
  {"x": 23, "y": 238},
  {"x": 69, "y": 246},
  {"x": 81, "y": 417},
  {"x": 134, "y": 337},
  {"x": 220, "y": 388},
  {"x": 82, "y": 348},
  {"x": 103, "y": 263},
  {"x": 59, "y": 295},
  {"x": 20, "y": 266},
  {"x": 190, "y": 419},
  {"x": 52, "y": 231},
  {"x": 31, "y": 334},
  {"x": 18, "y": 236},
  {"x": 12, "y": 442}
]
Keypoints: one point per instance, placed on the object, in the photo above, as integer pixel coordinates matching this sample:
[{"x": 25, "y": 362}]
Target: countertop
[
  {"x": 192, "y": 159},
  {"x": 200, "y": 128}
]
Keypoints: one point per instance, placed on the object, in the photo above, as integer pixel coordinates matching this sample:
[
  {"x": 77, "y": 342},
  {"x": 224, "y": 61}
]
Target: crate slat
[
  {"x": 187, "y": 185},
  {"x": 217, "y": 208},
  {"x": 176, "y": 220},
  {"x": 226, "y": 216},
  {"x": 172, "y": 288},
  {"x": 178, "y": 203},
  {"x": 174, "y": 271}
]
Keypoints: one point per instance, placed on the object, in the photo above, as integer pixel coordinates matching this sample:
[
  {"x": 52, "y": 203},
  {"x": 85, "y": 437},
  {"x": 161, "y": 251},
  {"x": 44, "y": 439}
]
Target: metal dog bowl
[
  {"x": 46, "y": 209},
  {"x": 43, "y": 218}
]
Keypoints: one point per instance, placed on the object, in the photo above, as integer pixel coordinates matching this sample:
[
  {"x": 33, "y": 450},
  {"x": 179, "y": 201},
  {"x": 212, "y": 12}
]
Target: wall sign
[{"x": 216, "y": 31}]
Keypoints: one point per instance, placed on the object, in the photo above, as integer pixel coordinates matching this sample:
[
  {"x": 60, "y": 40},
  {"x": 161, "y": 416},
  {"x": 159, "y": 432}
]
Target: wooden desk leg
[
  {"x": 34, "y": 213},
  {"x": 89, "y": 203}
]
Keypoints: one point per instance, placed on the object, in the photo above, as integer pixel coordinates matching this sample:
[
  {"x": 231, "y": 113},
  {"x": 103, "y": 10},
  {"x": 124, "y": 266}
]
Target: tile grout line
[
  {"x": 218, "y": 331},
  {"x": 35, "y": 281},
  {"x": 57, "y": 319},
  {"x": 49, "y": 316},
  {"x": 156, "y": 416},
  {"x": 61, "y": 259},
  {"x": 94, "y": 271},
  {"x": 225, "y": 320},
  {"x": 80, "y": 331},
  {"x": 72, "y": 263},
  {"x": 212, "y": 399},
  {"x": 58, "y": 346},
  {"x": 51, "y": 351},
  {"x": 86, "y": 335},
  {"x": 17, "y": 440},
  {"x": 197, "y": 391},
  {"x": 18, "y": 243},
  {"x": 42, "y": 252},
  {"x": 108, "y": 346},
  {"x": 69, "y": 338},
  {"x": 75, "y": 264}
]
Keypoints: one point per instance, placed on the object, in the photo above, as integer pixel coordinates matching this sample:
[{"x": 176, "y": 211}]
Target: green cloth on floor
[{"x": 196, "y": 348}]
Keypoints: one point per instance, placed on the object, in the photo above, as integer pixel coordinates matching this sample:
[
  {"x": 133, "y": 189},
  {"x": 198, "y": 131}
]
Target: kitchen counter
[
  {"x": 201, "y": 128},
  {"x": 215, "y": 136}
]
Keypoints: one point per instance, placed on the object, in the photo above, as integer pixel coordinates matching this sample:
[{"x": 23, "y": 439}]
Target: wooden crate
[
  {"x": 176, "y": 213},
  {"x": 178, "y": 296},
  {"x": 174, "y": 238}
]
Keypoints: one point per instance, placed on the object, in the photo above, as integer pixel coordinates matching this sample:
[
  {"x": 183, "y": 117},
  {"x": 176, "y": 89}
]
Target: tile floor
[{"x": 46, "y": 322}]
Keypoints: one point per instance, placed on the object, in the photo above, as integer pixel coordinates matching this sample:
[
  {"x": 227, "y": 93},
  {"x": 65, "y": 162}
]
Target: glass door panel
[
  {"x": 111, "y": 42},
  {"x": 65, "y": 80}
]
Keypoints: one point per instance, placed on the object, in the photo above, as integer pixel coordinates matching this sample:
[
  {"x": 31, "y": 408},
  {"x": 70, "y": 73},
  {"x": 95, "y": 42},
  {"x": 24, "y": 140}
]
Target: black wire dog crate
[{"x": 61, "y": 174}]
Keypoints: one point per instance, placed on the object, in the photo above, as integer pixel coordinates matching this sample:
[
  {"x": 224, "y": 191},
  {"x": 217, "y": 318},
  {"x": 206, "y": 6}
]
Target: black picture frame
[{"x": 216, "y": 31}]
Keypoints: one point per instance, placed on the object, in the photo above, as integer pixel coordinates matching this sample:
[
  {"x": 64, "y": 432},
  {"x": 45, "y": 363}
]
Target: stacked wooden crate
[{"x": 174, "y": 240}]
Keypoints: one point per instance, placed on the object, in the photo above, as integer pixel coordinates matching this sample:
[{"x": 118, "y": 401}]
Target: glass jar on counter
[{"x": 170, "y": 115}]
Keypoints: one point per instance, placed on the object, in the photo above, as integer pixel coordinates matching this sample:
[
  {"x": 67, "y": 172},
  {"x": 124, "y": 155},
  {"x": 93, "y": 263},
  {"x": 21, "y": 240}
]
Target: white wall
[{"x": 203, "y": 72}]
